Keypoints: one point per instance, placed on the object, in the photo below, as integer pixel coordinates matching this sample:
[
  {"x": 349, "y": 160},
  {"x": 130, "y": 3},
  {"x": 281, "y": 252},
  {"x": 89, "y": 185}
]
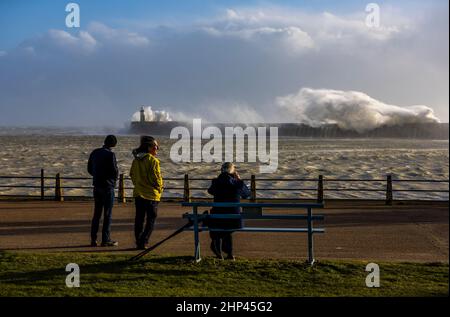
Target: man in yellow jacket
[{"x": 146, "y": 176}]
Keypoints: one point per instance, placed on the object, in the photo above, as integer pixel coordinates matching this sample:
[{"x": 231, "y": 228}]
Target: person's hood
[
  {"x": 225, "y": 178},
  {"x": 139, "y": 155}
]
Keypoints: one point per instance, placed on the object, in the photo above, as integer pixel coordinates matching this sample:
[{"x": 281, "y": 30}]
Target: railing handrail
[
  {"x": 278, "y": 179},
  {"x": 251, "y": 205}
]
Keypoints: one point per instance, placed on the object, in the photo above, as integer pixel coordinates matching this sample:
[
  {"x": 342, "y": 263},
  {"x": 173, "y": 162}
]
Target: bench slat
[{"x": 235, "y": 216}]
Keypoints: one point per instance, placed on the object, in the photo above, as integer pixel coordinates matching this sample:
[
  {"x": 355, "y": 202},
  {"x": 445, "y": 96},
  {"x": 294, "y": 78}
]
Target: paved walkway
[{"x": 366, "y": 232}]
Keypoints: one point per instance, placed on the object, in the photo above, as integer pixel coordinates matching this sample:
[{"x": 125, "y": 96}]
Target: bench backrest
[{"x": 254, "y": 205}]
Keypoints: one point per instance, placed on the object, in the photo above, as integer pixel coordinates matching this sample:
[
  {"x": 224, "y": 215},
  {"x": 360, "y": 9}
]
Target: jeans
[
  {"x": 144, "y": 208},
  {"x": 222, "y": 241},
  {"x": 104, "y": 201}
]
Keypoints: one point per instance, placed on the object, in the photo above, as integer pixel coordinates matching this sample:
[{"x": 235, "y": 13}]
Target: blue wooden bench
[{"x": 197, "y": 219}]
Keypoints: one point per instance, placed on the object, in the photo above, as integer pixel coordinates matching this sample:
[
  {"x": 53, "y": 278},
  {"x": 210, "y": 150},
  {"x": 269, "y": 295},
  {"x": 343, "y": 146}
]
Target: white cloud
[
  {"x": 247, "y": 17},
  {"x": 29, "y": 50},
  {"x": 350, "y": 33},
  {"x": 308, "y": 30},
  {"x": 82, "y": 42},
  {"x": 117, "y": 36},
  {"x": 291, "y": 38}
]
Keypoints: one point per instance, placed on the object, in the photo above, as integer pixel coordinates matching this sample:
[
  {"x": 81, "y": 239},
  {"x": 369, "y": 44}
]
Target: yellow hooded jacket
[{"x": 145, "y": 173}]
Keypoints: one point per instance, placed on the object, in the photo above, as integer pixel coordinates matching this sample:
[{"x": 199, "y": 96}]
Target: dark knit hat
[
  {"x": 110, "y": 141},
  {"x": 147, "y": 140}
]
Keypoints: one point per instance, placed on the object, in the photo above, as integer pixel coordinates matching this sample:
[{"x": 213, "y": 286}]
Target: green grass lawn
[{"x": 106, "y": 274}]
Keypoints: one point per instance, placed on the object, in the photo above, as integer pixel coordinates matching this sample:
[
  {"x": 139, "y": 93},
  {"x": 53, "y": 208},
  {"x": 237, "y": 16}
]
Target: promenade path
[{"x": 370, "y": 231}]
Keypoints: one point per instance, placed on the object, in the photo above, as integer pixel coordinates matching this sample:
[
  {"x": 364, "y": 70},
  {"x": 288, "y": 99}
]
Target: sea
[{"x": 347, "y": 165}]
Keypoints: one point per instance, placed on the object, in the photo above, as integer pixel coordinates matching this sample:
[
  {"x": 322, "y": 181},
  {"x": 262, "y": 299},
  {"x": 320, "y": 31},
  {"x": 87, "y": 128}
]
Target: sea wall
[{"x": 436, "y": 131}]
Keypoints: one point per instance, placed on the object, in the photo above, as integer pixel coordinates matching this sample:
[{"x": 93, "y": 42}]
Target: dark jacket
[
  {"x": 226, "y": 188},
  {"x": 102, "y": 165}
]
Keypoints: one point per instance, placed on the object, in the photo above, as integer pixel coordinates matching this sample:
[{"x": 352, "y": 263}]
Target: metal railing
[{"x": 387, "y": 186}]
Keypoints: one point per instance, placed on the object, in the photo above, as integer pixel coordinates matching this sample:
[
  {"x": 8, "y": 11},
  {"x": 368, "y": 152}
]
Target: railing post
[
  {"x": 252, "y": 211},
  {"x": 389, "y": 194},
  {"x": 42, "y": 184},
  {"x": 58, "y": 189},
  {"x": 320, "y": 189},
  {"x": 121, "y": 191},
  {"x": 187, "y": 192},
  {"x": 310, "y": 238},
  {"x": 253, "y": 188}
]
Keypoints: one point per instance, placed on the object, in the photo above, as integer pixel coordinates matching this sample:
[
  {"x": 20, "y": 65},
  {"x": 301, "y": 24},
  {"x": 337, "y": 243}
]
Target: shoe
[
  {"x": 110, "y": 244},
  {"x": 230, "y": 257},
  {"x": 216, "y": 253},
  {"x": 141, "y": 247},
  {"x": 94, "y": 243}
]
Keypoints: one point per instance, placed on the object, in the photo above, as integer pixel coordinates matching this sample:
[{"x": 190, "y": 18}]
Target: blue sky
[{"x": 252, "y": 60}]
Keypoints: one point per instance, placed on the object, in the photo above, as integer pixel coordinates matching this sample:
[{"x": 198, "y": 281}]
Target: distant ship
[{"x": 430, "y": 130}]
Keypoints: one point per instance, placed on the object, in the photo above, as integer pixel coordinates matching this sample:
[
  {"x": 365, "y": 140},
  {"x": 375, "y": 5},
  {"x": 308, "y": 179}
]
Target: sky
[{"x": 224, "y": 61}]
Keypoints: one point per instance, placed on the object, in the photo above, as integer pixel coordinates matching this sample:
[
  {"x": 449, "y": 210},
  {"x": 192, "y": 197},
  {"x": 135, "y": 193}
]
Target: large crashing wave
[
  {"x": 350, "y": 110},
  {"x": 152, "y": 115}
]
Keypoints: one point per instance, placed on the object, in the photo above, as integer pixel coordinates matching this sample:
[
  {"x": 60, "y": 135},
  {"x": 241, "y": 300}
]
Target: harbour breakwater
[{"x": 431, "y": 131}]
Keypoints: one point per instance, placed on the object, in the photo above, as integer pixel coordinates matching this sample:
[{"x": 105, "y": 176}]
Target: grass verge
[{"x": 105, "y": 274}]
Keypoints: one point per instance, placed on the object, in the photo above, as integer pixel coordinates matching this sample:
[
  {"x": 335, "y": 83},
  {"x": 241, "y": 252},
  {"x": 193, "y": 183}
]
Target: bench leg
[
  {"x": 196, "y": 238},
  {"x": 310, "y": 239},
  {"x": 197, "y": 250}
]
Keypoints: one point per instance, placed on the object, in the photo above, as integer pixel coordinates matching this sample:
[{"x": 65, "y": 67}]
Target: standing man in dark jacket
[
  {"x": 102, "y": 165},
  {"x": 227, "y": 187}
]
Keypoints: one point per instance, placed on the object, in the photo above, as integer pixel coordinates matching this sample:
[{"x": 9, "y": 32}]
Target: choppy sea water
[{"x": 367, "y": 159}]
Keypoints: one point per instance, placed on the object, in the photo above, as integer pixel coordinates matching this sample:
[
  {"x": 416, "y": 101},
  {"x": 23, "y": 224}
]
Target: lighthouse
[{"x": 142, "y": 114}]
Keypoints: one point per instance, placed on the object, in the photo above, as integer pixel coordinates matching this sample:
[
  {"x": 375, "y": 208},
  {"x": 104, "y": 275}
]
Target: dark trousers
[
  {"x": 104, "y": 201},
  {"x": 144, "y": 209},
  {"x": 222, "y": 241}
]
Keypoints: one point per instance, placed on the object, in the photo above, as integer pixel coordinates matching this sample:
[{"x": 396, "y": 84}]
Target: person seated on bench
[{"x": 227, "y": 187}]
